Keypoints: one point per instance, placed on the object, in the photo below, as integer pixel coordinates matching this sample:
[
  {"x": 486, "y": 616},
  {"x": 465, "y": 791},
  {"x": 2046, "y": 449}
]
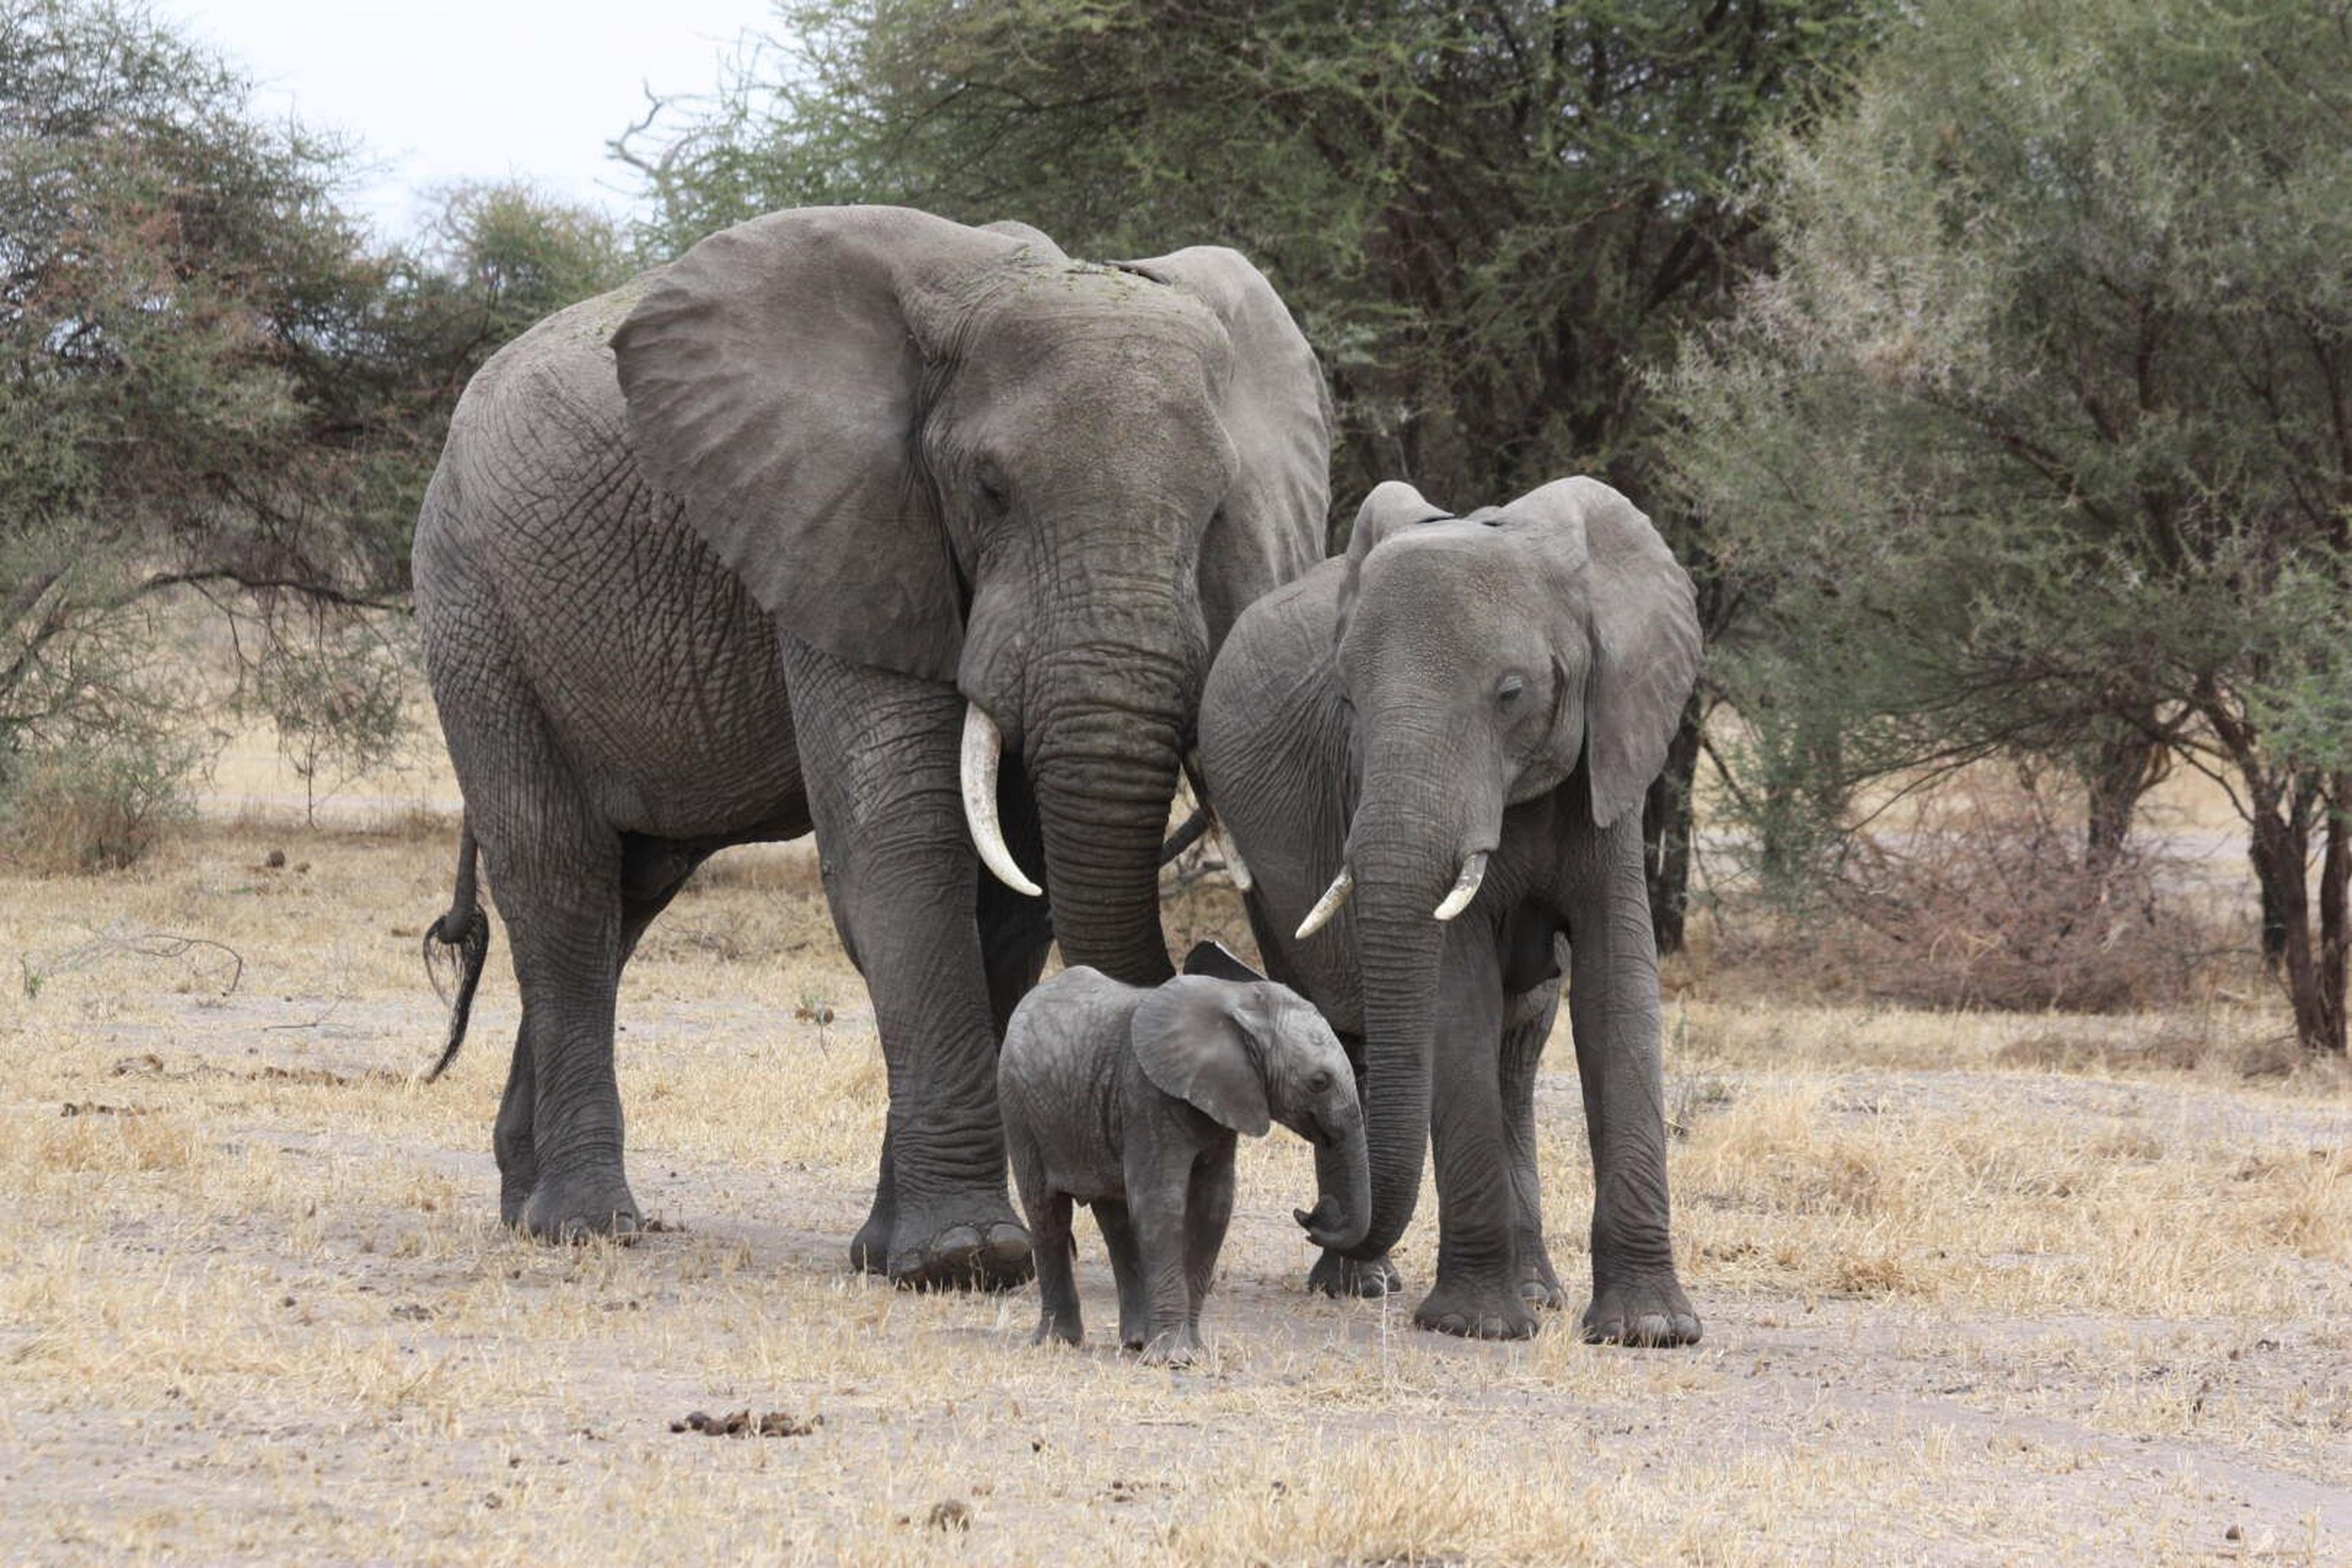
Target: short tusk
[
  {"x": 1329, "y": 904},
  {"x": 983, "y": 746},
  {"x": 1466, "y": 887}
]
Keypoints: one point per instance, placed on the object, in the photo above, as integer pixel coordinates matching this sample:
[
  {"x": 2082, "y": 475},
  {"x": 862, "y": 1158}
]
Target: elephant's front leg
[
  {"x": 1613, "y": 1008},
  {"x": 880, "y": 753},
  {"x": 1477, "y": 1290},
  {"x": 1159, "y": 1194},
  {"x": 1208, "y": 1211}
]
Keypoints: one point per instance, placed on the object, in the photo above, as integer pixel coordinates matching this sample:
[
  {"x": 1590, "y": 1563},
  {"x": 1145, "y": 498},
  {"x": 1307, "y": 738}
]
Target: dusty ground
[{"x": 1975, "y": 1288}]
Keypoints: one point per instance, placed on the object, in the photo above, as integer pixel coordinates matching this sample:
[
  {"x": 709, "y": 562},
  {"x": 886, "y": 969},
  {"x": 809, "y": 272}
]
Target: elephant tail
[
  {"x": 467, "y": 930},
  {"x": 1188, "y": 833}
]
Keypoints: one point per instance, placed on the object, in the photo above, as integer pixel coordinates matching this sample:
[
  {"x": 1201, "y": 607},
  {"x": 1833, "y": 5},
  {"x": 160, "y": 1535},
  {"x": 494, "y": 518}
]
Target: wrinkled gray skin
[
  {"x": 1505, "y": 684},
  {"x": 726, "y": 555},
  {"x": 1131, "y": 1100}
]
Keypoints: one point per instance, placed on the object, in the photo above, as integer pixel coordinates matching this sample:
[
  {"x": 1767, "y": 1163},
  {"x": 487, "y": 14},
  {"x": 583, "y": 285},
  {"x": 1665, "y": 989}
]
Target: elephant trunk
[
  {"x": 1103, "y": 764},
  {"x": 1415, "y": 851},
  {"x": 1343, "y": 1185},
  {"x": 1399, "y": 945}
]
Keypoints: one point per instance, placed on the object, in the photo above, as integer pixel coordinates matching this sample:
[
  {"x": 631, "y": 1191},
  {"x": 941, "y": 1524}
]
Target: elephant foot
[
  {"x": 1052, "y": 1330},
  {"x": 1490, "y": 1312},
  {"x": 976, "y": 1245},
  {"x": 579, "y": 1207},
  {"x": 1539, "y": 1286},
  {"x": 1337, "y": 1275},
  {"x": 869, "y": 1249},
  {"x": 1173, "y": 1347},
  {"x": 1643, "y": 1310}
]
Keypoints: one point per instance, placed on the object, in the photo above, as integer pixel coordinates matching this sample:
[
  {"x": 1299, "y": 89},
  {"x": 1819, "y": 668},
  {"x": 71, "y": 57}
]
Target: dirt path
[{"x": 256, "y": 1306}]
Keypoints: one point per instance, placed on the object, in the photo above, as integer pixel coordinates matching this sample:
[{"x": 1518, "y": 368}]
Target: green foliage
[
  {"x": 211, "y": 375},
  {"x": 1488, "y": 219},
  {"x": 2042, "y": 431},
  {"x": 97, "y": 804},
  {"x": 335, "y": 689}
]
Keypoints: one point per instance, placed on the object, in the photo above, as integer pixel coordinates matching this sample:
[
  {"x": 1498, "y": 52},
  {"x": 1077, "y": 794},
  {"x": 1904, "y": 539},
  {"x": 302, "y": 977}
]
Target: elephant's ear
[
  {"x": 1191, "y": 1038},
  {"x": 1277, "y": 415},
  {"x": 1641, "y": 631},
  {"x": 1035, "y": 238},
  {"x": 1391, "y": 507},
  {"x": 774, "y": 377},
  {"x": 1213, "y": 958}
]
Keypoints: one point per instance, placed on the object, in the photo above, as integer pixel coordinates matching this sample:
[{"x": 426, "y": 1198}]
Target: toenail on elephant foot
[
  {"x": 579, "y": 1208},
  {"x": 869, "y": 1249},
  {"x": 1540, "y": 1287},
  {"x": 990, "y": 1253},
  {"x": 1173, "y": 1347},
  {"x": 1645, "y": 1313},
  {"x": 1336, "y": 1275},
  {"x": 1476, "y": 1313}
]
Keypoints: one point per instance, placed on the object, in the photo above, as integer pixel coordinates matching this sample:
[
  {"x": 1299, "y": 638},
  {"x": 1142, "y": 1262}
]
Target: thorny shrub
[{"x": 1982, "y": 894}]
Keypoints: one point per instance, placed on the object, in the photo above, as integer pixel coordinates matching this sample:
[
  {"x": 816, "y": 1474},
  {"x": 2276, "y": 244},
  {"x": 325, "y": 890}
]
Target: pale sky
[{"x": 446, "y": 90}]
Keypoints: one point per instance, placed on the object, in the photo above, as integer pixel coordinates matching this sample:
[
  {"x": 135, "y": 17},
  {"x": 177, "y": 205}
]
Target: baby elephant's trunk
[{"x": 1343, "y": 1181}]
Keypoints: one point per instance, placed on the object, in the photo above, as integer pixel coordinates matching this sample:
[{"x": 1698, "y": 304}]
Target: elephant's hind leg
[
  {"x": 1528, "y": 1024},
  {"x": 564, "y": 926}
]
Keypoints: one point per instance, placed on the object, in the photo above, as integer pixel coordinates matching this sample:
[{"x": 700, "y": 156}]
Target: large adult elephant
[
  {"x": 854, "y": 519},
  {"x": 1431, "y": 752}
]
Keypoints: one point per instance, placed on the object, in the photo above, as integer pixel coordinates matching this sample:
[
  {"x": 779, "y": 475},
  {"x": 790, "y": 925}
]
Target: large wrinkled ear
[
  {"x": 1277, "y": 415},
  {"x": 1391, "y": 507},
  {"x": 1035, "y": 238},
  {"x": 1192, "y": 1039},
  {"x": 1641, "y": 631},
  {"x": 773, "y": 376}
]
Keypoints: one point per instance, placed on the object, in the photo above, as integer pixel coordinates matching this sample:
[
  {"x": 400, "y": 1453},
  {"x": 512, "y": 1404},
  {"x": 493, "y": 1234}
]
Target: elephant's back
[{"x": 544, "y": 553}]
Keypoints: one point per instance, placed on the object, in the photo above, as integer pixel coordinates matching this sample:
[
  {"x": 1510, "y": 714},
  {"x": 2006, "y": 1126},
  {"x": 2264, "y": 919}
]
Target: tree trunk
[
  {"x": 1666, "y": 827},
  {"x": 2118, "y": 773},
  {"x": 2334, "y": 872},
  {"x": 2315, "y": 981}
]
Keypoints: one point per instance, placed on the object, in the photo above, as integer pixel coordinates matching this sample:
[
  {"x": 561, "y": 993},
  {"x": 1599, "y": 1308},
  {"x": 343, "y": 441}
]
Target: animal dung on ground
[{"x": 741, "y": 1423}]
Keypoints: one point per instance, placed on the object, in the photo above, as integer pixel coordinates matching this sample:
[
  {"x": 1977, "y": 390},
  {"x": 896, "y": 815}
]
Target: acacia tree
[
  {"x": 1490, "y": 220},
  {"x": 2041, "y": 437},
  {"x": 210, "y": 376}
]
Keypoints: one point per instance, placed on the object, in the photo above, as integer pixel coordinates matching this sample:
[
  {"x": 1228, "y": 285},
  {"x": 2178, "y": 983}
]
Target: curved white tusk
[
  {"x": 1466, "y": 887},
  {"x": 983, "y": 745},
  {"x": 1230, "y": 853},
  {"x": 1329, "y": 904}
]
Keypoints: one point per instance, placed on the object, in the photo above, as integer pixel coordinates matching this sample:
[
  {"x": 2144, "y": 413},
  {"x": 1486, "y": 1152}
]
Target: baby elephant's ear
[
  {"x": 1213, "y": 958},
  {"x": 1190, "y": 1035}
]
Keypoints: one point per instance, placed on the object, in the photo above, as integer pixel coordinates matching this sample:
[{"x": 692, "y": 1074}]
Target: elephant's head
[
  {"x": 1487, "y": 662},
  {"x": 955, "y": 453},
  {"x": 1247, "y": 1053}
]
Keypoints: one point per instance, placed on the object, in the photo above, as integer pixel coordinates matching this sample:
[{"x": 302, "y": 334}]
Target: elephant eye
[
  {"x": 1320, "y": 1082},
  {"x": 1507, "y": 694},
  {"x": 991, "y": 480}
]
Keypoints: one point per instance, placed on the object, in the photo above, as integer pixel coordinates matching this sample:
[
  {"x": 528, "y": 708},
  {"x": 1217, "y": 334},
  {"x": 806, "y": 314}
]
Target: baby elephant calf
[{"x": 1128, "y": 1101}]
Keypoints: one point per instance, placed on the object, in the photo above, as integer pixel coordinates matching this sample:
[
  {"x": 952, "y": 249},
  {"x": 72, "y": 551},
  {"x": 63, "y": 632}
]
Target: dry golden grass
[{"x": 1971, "y": 1295}]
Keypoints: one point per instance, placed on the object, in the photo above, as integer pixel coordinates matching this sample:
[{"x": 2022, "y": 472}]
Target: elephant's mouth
[{"x": 1321, "y": 1137}]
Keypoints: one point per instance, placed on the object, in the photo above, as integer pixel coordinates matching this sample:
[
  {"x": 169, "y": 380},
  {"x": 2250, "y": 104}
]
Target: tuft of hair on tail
[{"x": 464, "y": 933}]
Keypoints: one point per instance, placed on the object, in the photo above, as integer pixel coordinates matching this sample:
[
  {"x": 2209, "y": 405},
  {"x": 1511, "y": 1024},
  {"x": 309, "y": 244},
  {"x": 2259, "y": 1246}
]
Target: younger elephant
[
  {"x": 1431, "y": 754},
  {"x": 1128, "y": 1100}
]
